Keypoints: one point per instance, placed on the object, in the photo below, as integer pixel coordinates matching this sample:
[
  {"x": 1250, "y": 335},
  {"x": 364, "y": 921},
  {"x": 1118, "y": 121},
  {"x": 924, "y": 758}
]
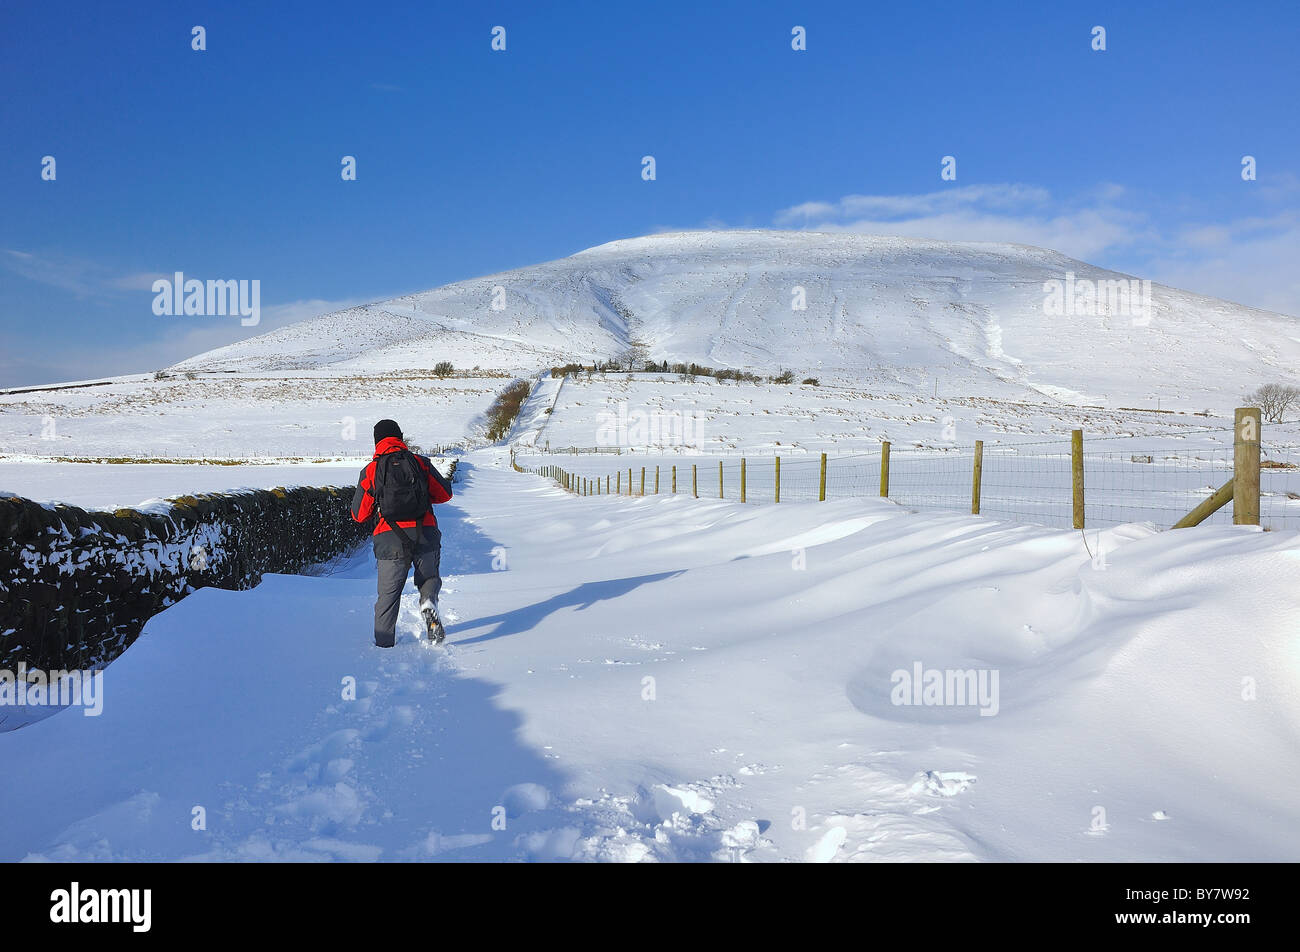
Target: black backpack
[{"x": 401, "y": 489}]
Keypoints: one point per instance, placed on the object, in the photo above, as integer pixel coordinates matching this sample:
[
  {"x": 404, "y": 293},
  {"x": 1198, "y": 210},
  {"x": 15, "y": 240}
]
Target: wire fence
[{"x": 1025, "y": 482}]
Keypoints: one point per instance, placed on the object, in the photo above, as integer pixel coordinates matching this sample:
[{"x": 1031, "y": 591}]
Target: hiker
[{"x": 399, "y": 488}]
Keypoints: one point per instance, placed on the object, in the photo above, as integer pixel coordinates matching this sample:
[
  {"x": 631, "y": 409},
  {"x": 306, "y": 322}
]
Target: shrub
[
  {"x": 785, "y": 376},
  {"x": 812, "y": 382},
  {"x": 505, "y": 408},
  {"x": 443, "y": 368}
]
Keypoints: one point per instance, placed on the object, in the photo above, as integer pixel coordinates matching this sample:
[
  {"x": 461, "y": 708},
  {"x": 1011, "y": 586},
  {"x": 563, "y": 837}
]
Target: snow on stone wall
[{"x": 76, "y": 587}]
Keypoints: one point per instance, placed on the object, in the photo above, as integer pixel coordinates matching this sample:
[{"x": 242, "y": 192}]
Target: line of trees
[{"x": 636, "y": 358}]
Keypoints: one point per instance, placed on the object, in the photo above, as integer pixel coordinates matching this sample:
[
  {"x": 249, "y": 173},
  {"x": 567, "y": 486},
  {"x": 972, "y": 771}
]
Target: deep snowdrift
[{"x": 773, "y": 636}]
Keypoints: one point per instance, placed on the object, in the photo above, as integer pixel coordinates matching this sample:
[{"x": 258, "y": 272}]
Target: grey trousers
[{"x": 394, "y": 564}]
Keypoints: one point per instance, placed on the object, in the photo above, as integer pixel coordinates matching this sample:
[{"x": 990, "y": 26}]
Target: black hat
[{"x": 385, "y": 429}]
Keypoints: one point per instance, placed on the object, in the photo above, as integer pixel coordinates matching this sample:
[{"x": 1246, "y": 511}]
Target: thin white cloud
[
  {"x": 890, "y": 207},
  {"x": 140, "y": 281},
  {"x": 85, "y": 279},
  {"x": 177, "y": 339},
  {"x": 77, "y": 276},
  {"x": 1250, "y": 260}
]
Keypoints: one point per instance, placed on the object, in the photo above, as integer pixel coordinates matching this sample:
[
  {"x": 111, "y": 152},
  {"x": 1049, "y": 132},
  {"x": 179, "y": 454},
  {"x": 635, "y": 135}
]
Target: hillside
[{"x": 880, "y": 312}]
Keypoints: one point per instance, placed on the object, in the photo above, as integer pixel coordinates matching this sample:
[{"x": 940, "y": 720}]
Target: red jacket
[{"x": 363, "y": 500}]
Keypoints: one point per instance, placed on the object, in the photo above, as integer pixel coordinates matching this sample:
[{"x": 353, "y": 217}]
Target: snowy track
[{"x": 766, "y": 730}]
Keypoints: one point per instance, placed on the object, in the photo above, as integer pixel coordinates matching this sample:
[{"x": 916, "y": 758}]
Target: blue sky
[{"x": 225, "y": 163}]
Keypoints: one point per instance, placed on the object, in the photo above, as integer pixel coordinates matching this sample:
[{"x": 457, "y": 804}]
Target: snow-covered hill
[
  {"x": 877, "y": 311},
  {"x": 925, "y": 341}
]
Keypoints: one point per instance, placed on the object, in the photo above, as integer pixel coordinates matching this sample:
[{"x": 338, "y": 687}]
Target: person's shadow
[
  {"x": 467, "y": 550},
  {"x": 584, "y": 596}
]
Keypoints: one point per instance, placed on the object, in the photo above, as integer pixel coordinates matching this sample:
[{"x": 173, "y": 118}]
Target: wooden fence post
[
  {"x": 778, "y": 479},
  {"x": 629, "y": 480},
  {"x": 1245, "y": 467},
  {"x": 695, "y": 483},
  {"x": 884, "y": 468},
  {"x": 656, "y": 480},
  {"x": 979, "y": 473},
  {"x": 821, "y": 493},
  {"x": 742, "y": 479},
  {"x": 642, "y": 480},
  {"x": 1076, "y": 475},
  {"x": 618, "y": 483},
  {"x": 674, "y": 479},
  {"x": 719, "y": 479}
]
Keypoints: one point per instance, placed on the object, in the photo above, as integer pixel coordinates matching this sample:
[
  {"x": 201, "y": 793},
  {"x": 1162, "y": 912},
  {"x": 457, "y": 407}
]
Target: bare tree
[
  {"x": 1274, "y": 400},
  {"x": 636, "y": 353}
]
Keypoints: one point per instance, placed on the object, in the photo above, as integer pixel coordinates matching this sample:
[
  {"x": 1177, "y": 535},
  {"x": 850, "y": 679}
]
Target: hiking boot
[{"x": 436, "y": 632}]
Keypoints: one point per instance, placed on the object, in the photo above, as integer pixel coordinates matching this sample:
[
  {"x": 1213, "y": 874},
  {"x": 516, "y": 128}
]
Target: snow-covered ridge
[{"x": 865, "y": 310}]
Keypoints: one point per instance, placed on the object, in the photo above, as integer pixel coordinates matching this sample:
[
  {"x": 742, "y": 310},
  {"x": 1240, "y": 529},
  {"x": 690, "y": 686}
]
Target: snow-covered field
[
  {"x": 670, "y": 678},
  {"x": 665, "y": 412},
  {"x": 249, "y": 415},
  {"x": 1140, "y": 466},
  {"x": 142, "y": 485}
]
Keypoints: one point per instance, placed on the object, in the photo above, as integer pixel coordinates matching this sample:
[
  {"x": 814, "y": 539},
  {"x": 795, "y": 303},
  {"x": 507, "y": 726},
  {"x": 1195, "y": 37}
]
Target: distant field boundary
[{"x": 1066, "y": 482}]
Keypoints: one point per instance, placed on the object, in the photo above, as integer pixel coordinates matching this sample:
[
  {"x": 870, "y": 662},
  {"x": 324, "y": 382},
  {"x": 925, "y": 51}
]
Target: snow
[
  {"x": 901, "y": 333},
  {"x": 767, "y": 730},
  {"x": 146, "y": 486},
  {"x": 881, "y": 312},
  {"x": 668, "y": 678},
  {"x": 286, "y": 415}
]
